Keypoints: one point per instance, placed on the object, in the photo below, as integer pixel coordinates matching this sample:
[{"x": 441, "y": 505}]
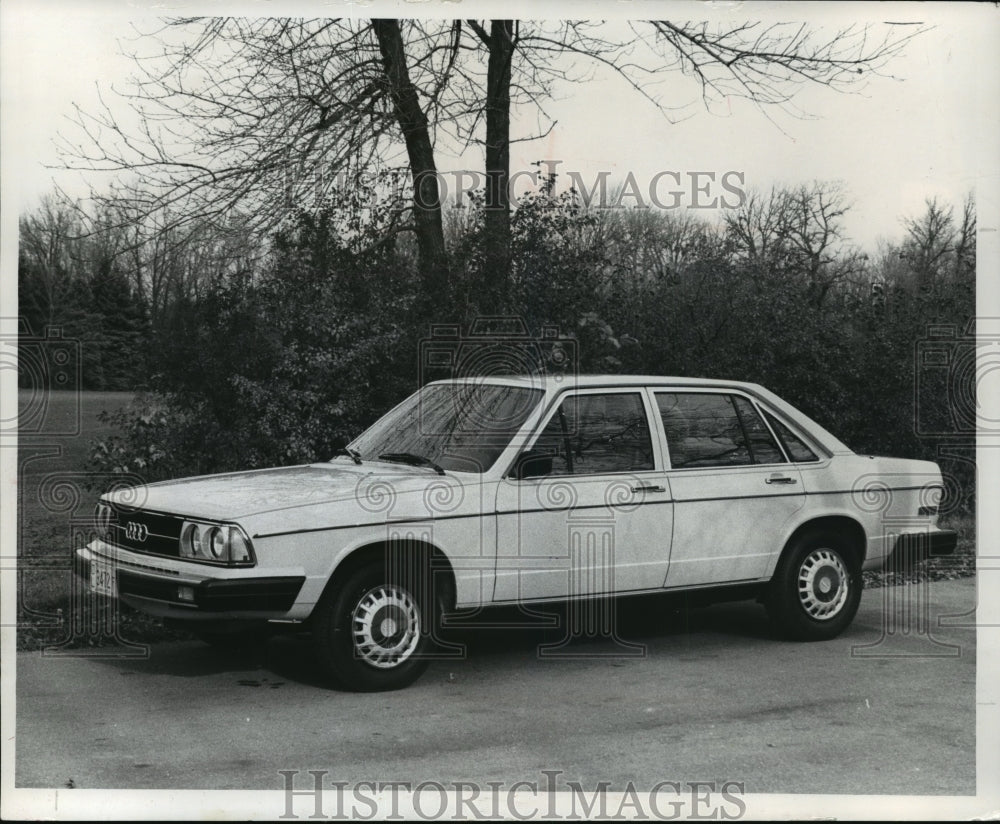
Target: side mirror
[{"x": 532, "y": 464}]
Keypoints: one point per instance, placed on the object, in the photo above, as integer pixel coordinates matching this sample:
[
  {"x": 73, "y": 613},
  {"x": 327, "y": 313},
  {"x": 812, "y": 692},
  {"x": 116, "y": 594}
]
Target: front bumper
[
  {"x": 917, "y": 547},
  {"x": 208, "y": 599}
]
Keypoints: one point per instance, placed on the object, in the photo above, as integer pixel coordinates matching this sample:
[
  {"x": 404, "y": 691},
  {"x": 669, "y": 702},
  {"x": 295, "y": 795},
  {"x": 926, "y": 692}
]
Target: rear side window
[
  {"x": 706, "y": 429},
  {"x": 794, "y": 446},
  {"x": 702, "y": 430}
]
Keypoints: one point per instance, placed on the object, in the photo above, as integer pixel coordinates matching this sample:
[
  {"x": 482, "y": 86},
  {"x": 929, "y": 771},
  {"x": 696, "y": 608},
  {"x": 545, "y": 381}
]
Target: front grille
[{"x": 149, "y": 531}]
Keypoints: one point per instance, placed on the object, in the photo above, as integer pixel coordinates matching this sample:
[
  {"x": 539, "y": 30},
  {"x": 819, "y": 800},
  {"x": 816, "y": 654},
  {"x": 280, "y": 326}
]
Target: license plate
[{"x": 103, "y": 580}]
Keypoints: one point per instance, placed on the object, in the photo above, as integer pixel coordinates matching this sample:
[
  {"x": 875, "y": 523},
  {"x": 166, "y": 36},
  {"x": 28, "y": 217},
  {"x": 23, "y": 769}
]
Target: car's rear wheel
[
  {"x": 816, "y": 590},
  {"x": 373, "y": 631}
]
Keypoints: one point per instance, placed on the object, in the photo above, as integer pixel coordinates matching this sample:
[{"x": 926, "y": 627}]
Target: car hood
[{"x": 240, "y": 494}]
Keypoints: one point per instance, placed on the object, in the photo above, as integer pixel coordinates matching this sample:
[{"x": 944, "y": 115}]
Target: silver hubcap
[
  {"x": 823, "y": 584},
  {"x": 385, "y": 626}
]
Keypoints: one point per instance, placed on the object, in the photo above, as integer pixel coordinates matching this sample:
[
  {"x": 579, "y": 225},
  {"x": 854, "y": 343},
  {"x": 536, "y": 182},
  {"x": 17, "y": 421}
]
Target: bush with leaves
[
  {"x": 558, "y": 262},
  {"x": 148, "y": 442},
  {"x": 278, "y": 371},
  {"x": 284, "y": 367}
]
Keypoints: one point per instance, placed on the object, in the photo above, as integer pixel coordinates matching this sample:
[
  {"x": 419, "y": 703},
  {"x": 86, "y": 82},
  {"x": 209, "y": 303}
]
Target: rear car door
[{"x": 735, "y": 490}]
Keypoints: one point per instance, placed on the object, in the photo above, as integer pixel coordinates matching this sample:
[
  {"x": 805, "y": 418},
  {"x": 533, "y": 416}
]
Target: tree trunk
[
  {"x": 428, "y": 225},
  {"x": 496, "y": 217}
]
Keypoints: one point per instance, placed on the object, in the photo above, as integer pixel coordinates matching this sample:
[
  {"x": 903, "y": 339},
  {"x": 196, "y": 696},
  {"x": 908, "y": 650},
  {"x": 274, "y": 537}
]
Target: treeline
[
  {"x": 263, "y": 351},
  {"x": 113, "y": 282}
]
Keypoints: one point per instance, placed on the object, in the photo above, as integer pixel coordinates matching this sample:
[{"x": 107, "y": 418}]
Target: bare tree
[
  {"x": 935, "y": 248},
  {"x": 797, "y": 233},
  {"x": 965, "y": 242},
  {"x": 49, "y": 260},
  {"x": 500, "y": 44},
  {"x": 654, "y": 246},
  {"x": 413, "y": 124},
  {"x": 250, "y": 116},
  {"x": 758, "y": 230}
]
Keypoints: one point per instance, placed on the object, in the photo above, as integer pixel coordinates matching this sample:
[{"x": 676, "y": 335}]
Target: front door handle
[
  {"x": 780, "y": 479},
  {"x": 649, "y": 489}
]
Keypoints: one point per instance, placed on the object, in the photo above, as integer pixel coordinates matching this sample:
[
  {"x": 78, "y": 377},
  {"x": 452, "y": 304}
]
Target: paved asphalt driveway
[{"x": 889, "y": 707}]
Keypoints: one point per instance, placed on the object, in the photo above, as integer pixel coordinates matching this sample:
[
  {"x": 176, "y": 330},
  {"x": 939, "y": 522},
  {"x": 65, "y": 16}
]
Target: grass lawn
[
  {"x": 55, "y": 507},
  {"x": 52, "y": 481}
]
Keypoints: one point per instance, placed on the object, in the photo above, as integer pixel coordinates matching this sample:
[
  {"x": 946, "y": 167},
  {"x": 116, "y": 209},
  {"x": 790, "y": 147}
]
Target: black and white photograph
[{"x": 465, "y": 410}]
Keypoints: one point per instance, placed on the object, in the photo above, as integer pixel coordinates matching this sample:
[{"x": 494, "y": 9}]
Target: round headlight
[
  {"x": 217, "y": 541},
  {"x": 191, "y": 541}
]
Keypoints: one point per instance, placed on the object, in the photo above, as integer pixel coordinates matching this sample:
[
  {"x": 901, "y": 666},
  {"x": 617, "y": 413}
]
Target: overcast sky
[{"x": 933, "y": 132}]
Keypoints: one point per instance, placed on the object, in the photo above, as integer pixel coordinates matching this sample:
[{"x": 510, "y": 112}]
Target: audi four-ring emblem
[{"x": 136, "y": 531}]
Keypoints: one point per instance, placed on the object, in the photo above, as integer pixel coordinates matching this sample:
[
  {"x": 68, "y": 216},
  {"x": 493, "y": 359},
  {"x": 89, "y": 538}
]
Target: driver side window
[{"x": 598, "y": 434}]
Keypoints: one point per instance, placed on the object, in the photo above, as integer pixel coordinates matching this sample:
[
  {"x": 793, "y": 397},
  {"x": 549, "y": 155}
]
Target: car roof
[{"x": 550, "y": 382}]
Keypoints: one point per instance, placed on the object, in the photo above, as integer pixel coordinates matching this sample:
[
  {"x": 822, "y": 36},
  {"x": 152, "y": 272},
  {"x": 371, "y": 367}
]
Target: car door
[
  {"x": 734, "y": 490},
  {"x": 597, "y": 520}
]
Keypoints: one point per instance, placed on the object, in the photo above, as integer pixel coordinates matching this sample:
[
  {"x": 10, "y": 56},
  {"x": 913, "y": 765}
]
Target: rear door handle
[
  {"x": 648, "y": 489},
  {"x": 780, "y": 479}
]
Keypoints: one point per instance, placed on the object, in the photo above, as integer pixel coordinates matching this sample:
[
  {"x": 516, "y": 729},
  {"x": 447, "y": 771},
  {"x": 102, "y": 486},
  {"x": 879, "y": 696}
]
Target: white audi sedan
[{"x": 522, "y": 490}]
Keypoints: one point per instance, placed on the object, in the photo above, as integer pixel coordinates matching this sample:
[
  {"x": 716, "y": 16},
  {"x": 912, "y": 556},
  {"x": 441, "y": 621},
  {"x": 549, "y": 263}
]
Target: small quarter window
[
  {"x": 762, "y": 444},
  {"x": 794, "y": 446}
]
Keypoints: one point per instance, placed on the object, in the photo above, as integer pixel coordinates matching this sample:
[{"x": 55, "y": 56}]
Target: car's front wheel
[
  {"x": 373, "y": 632},
  {"x": 816, "y": 590}
]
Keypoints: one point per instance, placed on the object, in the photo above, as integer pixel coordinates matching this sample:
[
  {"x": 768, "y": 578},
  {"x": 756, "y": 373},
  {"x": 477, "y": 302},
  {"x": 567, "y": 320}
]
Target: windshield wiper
[
  {"x": 410, "y": 458},
  {"x": 353, "y": 454}
]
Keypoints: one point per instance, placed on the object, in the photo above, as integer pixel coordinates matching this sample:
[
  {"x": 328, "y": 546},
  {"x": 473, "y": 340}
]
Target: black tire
[
  {"x": 373, "y": 631},
  {"x": 816, "y": 589}
]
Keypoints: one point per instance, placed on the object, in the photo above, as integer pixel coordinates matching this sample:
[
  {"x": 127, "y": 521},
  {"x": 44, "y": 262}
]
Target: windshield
[{"x": 463, "y": 427}]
